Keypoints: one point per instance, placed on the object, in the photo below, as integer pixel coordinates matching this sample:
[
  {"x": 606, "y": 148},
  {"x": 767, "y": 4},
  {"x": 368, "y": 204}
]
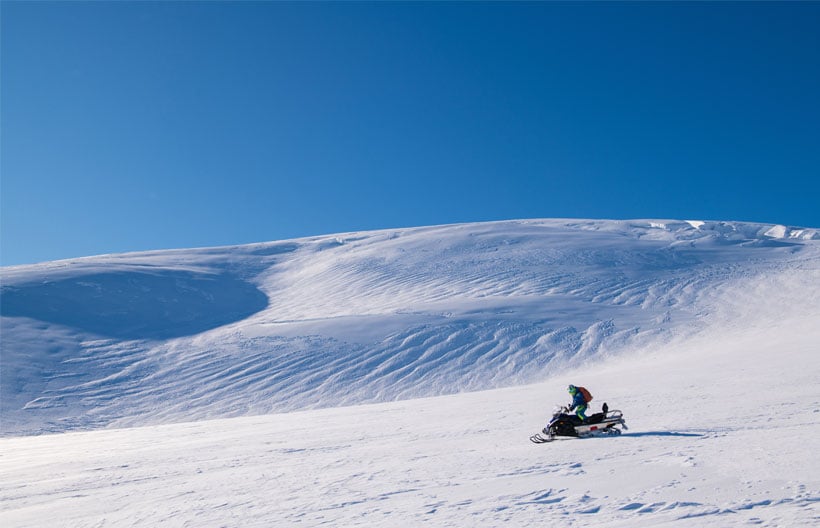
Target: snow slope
[
  {"x": 171, "y": 336},
  {"x": 718, "y": 436},
  {"x": 704, "y": 333}
]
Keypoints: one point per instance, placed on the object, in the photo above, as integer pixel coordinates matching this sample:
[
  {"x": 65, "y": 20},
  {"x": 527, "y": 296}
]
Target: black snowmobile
[{"x": 563, "y": 423}]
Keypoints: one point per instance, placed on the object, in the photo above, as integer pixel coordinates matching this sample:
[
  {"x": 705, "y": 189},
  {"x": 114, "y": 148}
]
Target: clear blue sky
[{"x": 139, "y": 125}]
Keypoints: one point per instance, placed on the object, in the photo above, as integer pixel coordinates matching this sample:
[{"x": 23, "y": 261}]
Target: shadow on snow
[
  {"x": 159, "y": 304},
  {"x": 663, "y": 433}
]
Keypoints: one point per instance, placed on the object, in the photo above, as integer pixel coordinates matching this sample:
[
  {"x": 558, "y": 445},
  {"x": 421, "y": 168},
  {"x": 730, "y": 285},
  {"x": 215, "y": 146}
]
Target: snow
[{"x": 392, "y": 378}]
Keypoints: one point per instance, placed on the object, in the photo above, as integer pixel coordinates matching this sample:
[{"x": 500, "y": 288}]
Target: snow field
[
  {"x": 704, "y": 334},
  {"x": 713, "y": 438}
]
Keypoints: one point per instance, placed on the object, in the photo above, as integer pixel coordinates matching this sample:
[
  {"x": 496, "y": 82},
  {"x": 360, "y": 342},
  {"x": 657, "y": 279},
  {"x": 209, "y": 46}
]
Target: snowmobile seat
[
  {"x": 572, "y": 419},
  {"x": 595, "y": 418}
]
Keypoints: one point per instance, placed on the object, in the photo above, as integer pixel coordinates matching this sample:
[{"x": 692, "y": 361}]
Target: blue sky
[{"x": 139, "y": 125}]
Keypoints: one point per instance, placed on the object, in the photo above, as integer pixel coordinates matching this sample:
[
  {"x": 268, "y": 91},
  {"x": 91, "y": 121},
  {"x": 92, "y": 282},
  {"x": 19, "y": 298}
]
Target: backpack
[{"x": 587, "y": 395}]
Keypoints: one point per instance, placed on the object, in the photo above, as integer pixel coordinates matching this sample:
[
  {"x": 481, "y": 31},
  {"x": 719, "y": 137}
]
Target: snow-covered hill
[
  {"x": 717, "y": 437},
  {"x": 704, "y": 333},
  {"x": 171, "y": 336}
]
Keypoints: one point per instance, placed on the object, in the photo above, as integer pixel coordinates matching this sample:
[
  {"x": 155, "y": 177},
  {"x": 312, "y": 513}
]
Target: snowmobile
[{"x": 563, "y": 423}]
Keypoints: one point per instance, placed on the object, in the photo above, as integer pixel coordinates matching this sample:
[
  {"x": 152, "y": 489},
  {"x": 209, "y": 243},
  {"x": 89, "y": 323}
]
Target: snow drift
[{"x": 171, "y": 336}]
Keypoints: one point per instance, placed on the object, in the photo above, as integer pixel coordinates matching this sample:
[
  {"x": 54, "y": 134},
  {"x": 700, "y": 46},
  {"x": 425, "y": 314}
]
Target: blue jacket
[{"x": 578, "y": 401}]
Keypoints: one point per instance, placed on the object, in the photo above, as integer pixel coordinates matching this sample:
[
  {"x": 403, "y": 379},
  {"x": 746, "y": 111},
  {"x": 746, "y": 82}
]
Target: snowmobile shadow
[
  {"x": 663, "y": 433},
  {"x": 137, "y": 304}
]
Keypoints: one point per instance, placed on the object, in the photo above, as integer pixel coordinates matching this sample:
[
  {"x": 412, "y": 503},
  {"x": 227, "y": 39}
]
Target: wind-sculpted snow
[
  {"x": 716, "y": 437},
  {"x": 365, "y": 317}
]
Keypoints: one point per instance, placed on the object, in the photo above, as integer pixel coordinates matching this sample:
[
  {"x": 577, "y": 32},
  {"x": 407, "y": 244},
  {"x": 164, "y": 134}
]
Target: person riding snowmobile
[{"x": 579, "y": 404}]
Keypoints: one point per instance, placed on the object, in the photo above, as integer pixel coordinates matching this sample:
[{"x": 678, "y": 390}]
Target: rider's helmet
[{"x": 572, "y": 389}]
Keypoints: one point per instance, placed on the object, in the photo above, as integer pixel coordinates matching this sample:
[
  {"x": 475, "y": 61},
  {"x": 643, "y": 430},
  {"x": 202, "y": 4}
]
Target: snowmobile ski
[{"x": 537, "y": 438}]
